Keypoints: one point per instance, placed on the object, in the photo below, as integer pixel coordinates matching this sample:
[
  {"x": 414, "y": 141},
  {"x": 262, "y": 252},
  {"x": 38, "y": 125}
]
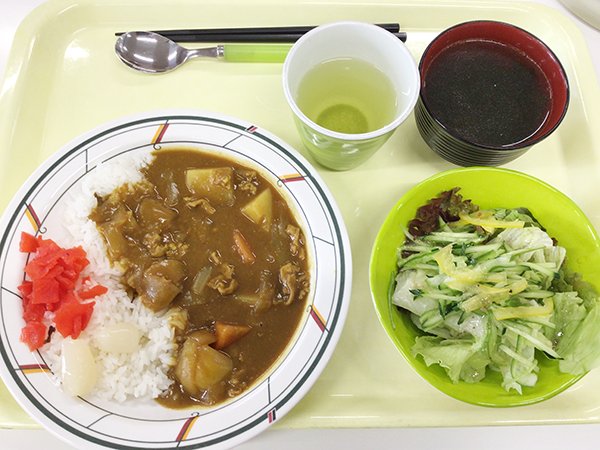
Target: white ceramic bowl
[
  {"x": 587, "y": 10},
  {"x": 92, "y": 423}
]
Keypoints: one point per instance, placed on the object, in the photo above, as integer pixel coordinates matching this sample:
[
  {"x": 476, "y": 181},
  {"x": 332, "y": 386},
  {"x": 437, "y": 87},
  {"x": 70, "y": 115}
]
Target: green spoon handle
[{"x": 274, "y": 53}]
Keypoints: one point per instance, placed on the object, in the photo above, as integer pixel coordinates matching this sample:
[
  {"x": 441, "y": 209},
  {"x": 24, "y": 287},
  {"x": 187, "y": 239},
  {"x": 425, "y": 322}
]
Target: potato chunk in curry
[
  {"x": 260, "y": 209},
  {"x": 215, "y": 184},
  {"x": 218, "y": 242},
  {"x": 200, "y": 366}
]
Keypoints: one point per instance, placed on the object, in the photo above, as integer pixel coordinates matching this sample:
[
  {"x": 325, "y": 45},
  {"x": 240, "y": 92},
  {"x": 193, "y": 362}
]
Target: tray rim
[{"x": 18, "y": 63}]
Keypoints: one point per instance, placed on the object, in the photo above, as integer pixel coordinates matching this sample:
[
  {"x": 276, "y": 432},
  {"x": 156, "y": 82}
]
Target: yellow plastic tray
[{"x": 63, "y": 78}]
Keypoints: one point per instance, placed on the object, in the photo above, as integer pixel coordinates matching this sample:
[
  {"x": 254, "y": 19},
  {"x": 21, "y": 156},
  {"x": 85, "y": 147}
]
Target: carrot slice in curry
[
  {"x": 227, "y": 334},
  {"x": 243, "y": 248}
]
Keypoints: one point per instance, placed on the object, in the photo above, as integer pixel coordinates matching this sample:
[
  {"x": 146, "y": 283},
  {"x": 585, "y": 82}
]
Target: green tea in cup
[
  {"x": 349, "y": 85},
  {"x": 347, "y": 95}
]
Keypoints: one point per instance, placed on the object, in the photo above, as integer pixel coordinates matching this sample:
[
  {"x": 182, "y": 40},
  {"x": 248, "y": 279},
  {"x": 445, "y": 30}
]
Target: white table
[{"x": 580, "y": 437}]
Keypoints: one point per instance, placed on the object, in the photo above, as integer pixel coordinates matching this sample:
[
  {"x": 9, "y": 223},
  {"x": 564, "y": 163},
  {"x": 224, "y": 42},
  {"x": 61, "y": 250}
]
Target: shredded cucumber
[{"x": 489, "y": 290}]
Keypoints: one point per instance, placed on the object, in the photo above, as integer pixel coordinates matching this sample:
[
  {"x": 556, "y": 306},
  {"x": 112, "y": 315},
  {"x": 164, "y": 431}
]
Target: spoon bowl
[{"x": 153, "y": 53}]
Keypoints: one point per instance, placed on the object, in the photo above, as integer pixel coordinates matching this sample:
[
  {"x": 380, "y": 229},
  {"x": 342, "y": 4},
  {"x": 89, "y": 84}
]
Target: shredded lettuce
[
  {"x": 490, "y": 291},
  {"x": 577, "y": 334},
  {"x": 454, "y": 355}
]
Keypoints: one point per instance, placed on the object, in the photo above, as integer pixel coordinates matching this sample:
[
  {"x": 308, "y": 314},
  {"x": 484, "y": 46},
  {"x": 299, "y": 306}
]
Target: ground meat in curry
[{"x": 217, "y": 242}]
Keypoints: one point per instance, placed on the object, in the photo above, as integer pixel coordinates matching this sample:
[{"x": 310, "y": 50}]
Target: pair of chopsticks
[{"x": 246, "y": 35}]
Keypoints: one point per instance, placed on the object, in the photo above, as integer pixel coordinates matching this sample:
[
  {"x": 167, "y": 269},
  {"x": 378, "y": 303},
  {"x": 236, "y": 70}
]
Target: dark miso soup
[{"x": 487, "y": 93}]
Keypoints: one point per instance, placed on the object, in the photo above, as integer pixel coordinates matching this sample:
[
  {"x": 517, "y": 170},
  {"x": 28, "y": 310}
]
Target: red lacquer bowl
[{"x": 475, "y": 97}]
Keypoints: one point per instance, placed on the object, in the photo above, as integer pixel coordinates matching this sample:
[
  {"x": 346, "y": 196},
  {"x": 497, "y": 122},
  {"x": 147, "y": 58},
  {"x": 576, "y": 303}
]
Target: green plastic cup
[{"x": 357, "y": 41}]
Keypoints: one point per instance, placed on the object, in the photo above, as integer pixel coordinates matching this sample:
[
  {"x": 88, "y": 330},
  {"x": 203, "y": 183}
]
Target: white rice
[{"x": 120, "y": 376}]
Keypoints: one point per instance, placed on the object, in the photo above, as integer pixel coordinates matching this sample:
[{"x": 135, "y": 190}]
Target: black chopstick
[
  {"x": 248, "y": 38},
  {"x": 262, "y": 31}
]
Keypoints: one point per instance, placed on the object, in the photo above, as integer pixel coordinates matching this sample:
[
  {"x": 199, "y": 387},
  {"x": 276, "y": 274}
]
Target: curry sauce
[{"x": 215, "y": 242}]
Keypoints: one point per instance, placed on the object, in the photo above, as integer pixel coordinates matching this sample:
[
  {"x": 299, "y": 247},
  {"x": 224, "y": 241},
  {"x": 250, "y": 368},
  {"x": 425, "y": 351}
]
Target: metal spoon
[{"x": 153, "y": 53}]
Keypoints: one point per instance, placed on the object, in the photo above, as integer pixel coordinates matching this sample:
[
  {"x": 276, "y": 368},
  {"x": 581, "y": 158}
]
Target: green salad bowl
[{"x": 488, "y": 188}]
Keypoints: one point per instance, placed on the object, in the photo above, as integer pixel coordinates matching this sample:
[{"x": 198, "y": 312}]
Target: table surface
[{"x": 12, "y": 13}]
